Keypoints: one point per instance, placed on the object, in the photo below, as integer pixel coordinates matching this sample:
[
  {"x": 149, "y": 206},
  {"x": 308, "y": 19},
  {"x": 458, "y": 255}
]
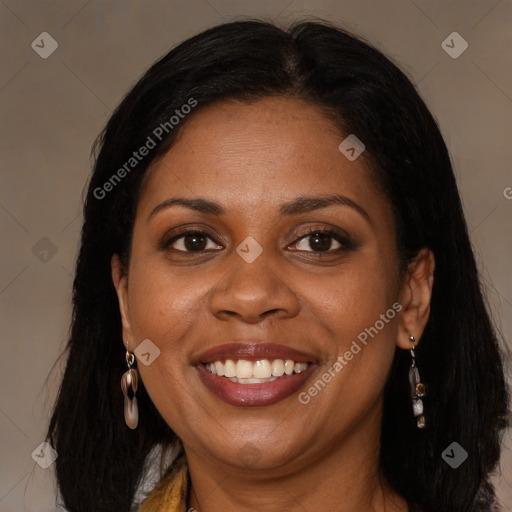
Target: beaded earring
[{"x": 417, "y": 388}]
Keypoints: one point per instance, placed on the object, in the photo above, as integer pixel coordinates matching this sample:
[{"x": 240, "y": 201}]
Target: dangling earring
[
  {"x": 129, "y": 382},
  {"x": 417, "y": 389}
]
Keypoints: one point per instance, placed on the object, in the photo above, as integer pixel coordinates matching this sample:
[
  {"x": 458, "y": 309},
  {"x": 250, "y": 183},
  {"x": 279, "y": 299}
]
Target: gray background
[{"x": 52, "y": 109}]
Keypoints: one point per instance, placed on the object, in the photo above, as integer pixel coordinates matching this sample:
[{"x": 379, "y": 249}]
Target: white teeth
[
  {"x": 300, "y": 367},
  {"x": 255, "y": 372},
  {"x": 219, "y": 368},
  {"x": 277, "y": 367},
  {"x": 229, "y": 368},
  {"x": 244, "y": 369},
  {"x": 261, "y": 369},
  {"x": 252, "y": 381}
]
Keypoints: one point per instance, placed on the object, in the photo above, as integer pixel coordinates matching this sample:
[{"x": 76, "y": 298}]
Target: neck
[{"x": 345, "y": 478}]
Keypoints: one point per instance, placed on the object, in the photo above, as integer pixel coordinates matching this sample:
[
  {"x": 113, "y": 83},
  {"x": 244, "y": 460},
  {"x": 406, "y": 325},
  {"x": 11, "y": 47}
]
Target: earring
[
  {"x": 129, "y": 383},
  {"x": 417, "y": 388}
]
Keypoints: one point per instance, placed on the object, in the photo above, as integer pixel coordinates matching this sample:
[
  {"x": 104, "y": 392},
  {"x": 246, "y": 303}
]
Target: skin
[{"x": 252, "y": 158}]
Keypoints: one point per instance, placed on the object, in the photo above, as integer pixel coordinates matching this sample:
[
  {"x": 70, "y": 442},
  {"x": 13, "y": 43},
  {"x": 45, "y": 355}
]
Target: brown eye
[
  {"x": 192, "y": 241},
  {"x": 319, "y": 241}
]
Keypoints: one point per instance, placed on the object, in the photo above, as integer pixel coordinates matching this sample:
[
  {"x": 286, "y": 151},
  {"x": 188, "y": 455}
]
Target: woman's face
[{"x": 260, "y": 249}]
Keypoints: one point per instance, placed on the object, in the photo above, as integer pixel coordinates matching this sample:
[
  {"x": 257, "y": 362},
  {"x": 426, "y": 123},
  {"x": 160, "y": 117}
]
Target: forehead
[{"x": 245, "y": 154}]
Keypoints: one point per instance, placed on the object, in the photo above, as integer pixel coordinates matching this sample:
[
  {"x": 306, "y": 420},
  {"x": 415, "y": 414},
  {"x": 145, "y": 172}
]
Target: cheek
[
  {"x": 164, "y": 303},
  {"x": 358, "y": 312},
  {"x": 353, "y": 298}
]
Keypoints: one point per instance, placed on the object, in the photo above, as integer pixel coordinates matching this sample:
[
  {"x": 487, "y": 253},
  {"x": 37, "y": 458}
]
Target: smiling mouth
[
  {"x": 254, "y": 373},
  {"x": 242, "y": 371}
]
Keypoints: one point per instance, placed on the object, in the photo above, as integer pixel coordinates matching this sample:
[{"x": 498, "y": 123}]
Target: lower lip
[{"x": 254, "y": 395}]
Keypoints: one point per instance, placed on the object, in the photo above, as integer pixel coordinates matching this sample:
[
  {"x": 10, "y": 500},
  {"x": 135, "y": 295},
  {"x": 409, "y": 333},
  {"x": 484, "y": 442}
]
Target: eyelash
[{"x": 342, "y": 238}]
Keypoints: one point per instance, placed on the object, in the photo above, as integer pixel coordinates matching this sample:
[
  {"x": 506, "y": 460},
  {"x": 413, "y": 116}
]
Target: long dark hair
[{"x": 100, "y": 461}]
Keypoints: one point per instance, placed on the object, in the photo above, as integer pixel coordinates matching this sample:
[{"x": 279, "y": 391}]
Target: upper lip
[{"x": 253, "y": 351}]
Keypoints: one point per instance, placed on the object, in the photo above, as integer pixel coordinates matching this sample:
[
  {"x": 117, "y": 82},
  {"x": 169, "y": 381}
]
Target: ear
[
  {"x": 415, "y": 297},
  {"x": 120, "y": 280}
]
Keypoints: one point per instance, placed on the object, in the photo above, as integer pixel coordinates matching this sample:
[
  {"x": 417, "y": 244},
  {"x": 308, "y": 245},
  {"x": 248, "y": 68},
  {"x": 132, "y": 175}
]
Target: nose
[{"x": 252, "y": 292}]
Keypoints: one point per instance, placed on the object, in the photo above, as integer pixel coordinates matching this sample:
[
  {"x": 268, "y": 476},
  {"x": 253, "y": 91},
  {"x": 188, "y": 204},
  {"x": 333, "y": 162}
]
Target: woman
[{"x": 276, "y": 266}]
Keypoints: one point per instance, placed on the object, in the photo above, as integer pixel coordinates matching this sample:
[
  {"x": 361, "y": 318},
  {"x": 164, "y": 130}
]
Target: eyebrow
[{"x": 301, "y": 204}]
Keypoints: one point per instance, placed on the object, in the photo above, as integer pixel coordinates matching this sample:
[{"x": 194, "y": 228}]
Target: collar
[{"x": 171, "y": 493}]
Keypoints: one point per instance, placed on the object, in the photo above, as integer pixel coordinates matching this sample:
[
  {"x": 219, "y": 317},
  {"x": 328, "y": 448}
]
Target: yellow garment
[{"x": 170, "y": 494}]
